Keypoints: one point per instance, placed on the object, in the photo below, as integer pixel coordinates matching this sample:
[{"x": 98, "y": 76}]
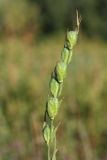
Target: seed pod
[
  {"x": 52, "y": 107},
  {"x": 54, "y": 87},
  {"x": 46, "y": 133},
  {"x": 65, "y": 55},
  {"x": 61, "y": 71},
  {"x": 71, "y": 39}
]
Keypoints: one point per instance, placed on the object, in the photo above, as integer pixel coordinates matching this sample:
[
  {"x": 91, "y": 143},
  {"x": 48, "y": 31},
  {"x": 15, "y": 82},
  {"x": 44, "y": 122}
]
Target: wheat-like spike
[{"x": 56, "y": 83}]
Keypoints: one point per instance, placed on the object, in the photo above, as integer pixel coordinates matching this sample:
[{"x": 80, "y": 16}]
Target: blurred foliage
[
  {"x": 18, "y": 17},
  {"x": 24, "y": 77},
  {"x": 25, "y": 67},
  {"x": 58, "y": 14},
  {"x": 53, "y": 15}
]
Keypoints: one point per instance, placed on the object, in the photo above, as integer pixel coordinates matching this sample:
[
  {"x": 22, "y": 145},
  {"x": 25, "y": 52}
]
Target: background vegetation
[{"x": 32, "y": 33}]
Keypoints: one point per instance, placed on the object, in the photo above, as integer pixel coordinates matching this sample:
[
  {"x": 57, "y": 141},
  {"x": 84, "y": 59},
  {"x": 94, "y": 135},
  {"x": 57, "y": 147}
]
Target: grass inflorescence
[{"x": 56, "y": 84}]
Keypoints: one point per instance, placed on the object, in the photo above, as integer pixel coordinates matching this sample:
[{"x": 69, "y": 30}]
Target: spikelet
[
  {"x": 54, "y": 87},
  {"x": 52, "y": 107},
  {"x": 46, "y": 133}
]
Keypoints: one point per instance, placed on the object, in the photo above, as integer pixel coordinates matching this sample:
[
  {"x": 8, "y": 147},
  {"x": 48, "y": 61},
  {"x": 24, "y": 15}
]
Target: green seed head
[
  {"x": 66, "y": 55},
  {"x": 61, "y": 69},
  {"x": 71, "y": 39},
  {"x": 52, "y": 107},
  {"x": 46, "y": 133},
  {"x": 54, "y": 87}
]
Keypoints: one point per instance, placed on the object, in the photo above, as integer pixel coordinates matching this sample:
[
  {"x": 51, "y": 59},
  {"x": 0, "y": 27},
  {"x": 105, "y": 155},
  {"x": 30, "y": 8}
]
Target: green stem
[
  {"x": 49, "y": 157},
  {"x": 51, "y": 125},
  {"x": 50, "y": 143},
  {"x": 55, "y": 149}
]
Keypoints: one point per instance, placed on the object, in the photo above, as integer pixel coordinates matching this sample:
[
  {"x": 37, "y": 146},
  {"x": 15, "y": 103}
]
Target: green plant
[{"x": 56, "y": 84}]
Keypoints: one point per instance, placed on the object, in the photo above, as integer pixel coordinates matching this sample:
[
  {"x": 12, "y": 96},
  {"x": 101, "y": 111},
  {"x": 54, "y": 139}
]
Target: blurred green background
[{"x": 32, "y": 34}]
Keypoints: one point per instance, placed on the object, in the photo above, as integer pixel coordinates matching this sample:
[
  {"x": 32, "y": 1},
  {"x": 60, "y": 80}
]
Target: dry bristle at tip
[{"x": 79, "y": 18}]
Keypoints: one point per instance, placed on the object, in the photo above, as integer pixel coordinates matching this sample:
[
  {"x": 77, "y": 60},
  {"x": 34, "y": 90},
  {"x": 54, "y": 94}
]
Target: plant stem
[
  {"x": 50, "y": 143},
  {"x": 55, "y": 149},
  {"x": 49, "y": 157}
]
